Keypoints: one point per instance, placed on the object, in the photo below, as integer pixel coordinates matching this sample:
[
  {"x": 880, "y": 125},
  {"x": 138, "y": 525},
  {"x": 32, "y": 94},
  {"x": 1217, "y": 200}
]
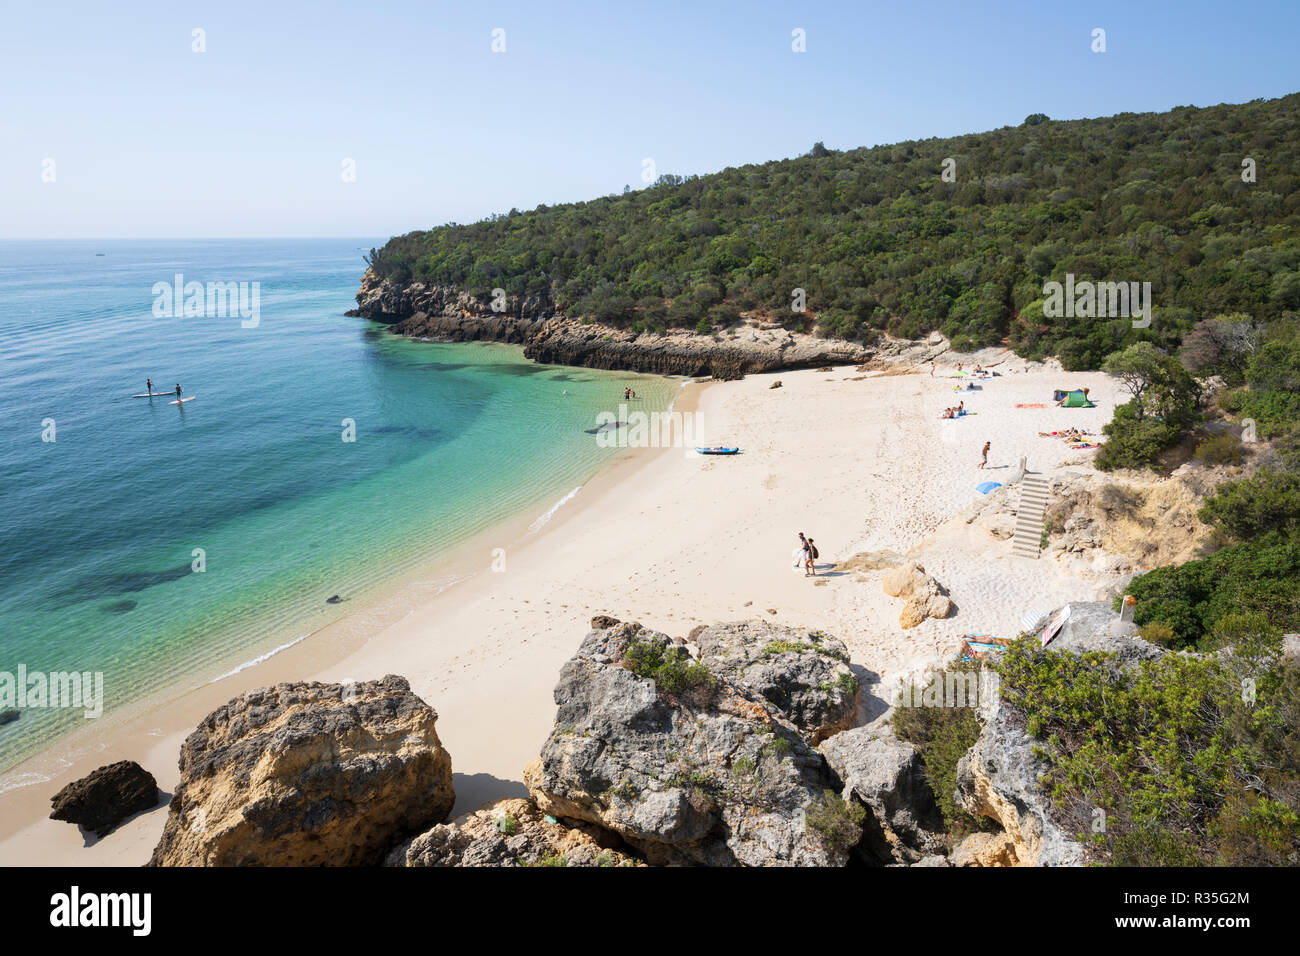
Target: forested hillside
[{"x": 879, "y": 240}]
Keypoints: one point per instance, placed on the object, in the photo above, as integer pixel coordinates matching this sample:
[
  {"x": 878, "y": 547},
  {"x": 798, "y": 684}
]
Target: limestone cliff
[{"x": 438, "y": 312}]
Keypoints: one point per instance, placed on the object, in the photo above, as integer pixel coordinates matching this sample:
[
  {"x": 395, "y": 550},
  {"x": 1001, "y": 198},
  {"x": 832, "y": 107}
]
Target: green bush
[
  {"x": 837, "y": 821},
  {"x": 1253, "y": 507},
  {"x": 669, "y": 666},
  {"x": 1220, "y": 450},
  {"x": 1188, "y": 766},
  {"x": 942, "y": 735}
]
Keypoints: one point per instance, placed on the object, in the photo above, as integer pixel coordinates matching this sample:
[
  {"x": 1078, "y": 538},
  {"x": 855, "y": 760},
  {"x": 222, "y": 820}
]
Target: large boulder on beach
[
  {"x": 684, "y": 763},
  {"x": 805, "y": 674},
  {"x": 887, "y": 776},
  {"x": 925, "y": 596},
  {"x": 308, "y": 774},
  {"x": 105, "y": 797},
  {"x": 511, "y": 832}
]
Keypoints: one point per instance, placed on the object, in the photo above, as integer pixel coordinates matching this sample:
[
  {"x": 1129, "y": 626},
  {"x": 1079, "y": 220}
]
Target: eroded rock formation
[
  {"x": 685, "y": 764},
  {"x": 511, "y": 832},
  {"x": 447, "y": 314},
  {"x": 308, "y": 774}
]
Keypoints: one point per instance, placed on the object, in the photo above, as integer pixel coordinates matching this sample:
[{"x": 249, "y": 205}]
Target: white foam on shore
[
  {"x": 537, "y": 525},
  {"x": 260, "y": 658},
  {"x": 24, "y": 780}
]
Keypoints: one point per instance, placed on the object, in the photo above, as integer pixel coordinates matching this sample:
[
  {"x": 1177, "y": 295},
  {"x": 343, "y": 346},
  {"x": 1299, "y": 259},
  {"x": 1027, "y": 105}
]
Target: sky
[{"x": 112, "y": 124}]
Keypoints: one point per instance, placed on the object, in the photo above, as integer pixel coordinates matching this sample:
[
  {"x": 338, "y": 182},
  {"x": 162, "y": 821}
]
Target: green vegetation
[
  {"x": 878, "y": 241},
  {"x": 1192, "y": 760},
  {"x": 837, "y": 821},
  {"x": 508, "y": 825},
  {"x": 942, "y": 735},
  {"x": 669, "y": 666},
  {"x": 1162, "y": 410}
]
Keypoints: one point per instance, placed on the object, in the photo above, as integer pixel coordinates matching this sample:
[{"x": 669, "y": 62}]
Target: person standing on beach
[{"x": 985, "y": 460}]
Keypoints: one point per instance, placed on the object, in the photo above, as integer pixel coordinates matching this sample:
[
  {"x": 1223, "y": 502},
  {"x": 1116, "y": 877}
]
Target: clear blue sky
[{"x": 151, "y": 139}]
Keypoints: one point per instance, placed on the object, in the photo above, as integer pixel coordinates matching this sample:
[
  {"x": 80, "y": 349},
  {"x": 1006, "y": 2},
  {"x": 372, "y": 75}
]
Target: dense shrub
[
  {"x": 1253, "y": 507},
  {"x": 1186, "y": 766}
]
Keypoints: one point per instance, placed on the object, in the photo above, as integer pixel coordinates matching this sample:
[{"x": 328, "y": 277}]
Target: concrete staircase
[{"x": 1029, "y": 517}]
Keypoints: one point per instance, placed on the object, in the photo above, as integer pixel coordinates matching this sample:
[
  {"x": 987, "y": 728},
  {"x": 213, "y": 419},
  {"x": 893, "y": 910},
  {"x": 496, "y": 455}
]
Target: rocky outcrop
[
  {"x": 805, "y": 674},
  {"x": 308, "y": 774},
  {"x": 685, "y": 765},
  {"x": 105, "y": 797},
  {"x": 888, "y": 777},
  {"x": 447, "y": 314},
  {"x": 985, "y": 849},
  {"x": 1094, "y": 626},
  {"x": 511, "y": 832},
  {"x": 924, "y": 595},
  {"x": 998, "y": 778}
]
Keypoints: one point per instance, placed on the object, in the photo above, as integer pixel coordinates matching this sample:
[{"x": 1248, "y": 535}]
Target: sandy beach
[{"x": 669, "y": 539}]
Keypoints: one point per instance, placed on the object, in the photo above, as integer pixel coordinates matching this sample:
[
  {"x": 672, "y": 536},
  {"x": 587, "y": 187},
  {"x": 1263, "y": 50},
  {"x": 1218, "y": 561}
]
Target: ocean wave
[
  {"x": 260, "y": 658},
  {"x": 537, "y": 525}
]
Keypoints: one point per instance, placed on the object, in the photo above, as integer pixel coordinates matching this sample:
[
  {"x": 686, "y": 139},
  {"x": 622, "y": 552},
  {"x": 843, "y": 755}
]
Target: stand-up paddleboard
[
  {"x": 152, "y": 394},
  {"x": 182, "y": 401}
]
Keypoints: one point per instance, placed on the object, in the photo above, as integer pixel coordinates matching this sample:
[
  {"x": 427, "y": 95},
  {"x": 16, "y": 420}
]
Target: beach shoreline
[{"x": 672, "y": 540}]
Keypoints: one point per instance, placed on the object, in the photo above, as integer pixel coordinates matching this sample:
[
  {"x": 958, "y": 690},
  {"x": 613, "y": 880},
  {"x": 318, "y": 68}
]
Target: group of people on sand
[
  {"x": 1070, "y": 434},
  {"x": 957, "y": 411},
  {"x": 806, "y": 553}
]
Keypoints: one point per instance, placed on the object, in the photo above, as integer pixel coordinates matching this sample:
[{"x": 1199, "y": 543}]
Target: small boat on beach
[{"x": 718, "y": 450}]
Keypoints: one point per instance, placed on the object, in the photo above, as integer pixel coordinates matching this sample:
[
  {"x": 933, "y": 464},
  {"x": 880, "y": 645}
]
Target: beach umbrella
[{"x": 984, "y": 487}]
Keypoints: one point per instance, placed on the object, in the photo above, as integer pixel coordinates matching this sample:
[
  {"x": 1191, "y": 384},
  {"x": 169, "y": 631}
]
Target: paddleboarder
[
  {"x": 148, "y": 386},
  {"x": 178, "y": 391}
]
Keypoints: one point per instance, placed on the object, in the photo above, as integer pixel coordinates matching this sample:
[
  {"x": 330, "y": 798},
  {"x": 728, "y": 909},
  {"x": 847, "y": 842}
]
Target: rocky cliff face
[
  {"x": 688, "y": 766},
  {"x": 438, "y": 312},
  {"x": 307, "y": 774}
]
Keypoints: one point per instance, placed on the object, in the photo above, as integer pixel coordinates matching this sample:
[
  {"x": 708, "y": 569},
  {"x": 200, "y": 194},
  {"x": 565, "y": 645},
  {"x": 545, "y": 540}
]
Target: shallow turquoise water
[{"x": 98, "y": 528}]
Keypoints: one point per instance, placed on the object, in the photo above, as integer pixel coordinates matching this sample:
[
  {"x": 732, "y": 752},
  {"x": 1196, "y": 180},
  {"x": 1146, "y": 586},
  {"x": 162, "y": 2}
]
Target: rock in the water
[
  {"x": 804, "y": 674},
  {"x": 998, "y": 778},
  {"x": 308, "y": 774},
  {"x": 686, "y": 766},
  {"x": 9, "y": 716},
  {"x": 105, "y": 797},
  {"x": 510, "y": 832},
  {"x": 887, "y": 775}
]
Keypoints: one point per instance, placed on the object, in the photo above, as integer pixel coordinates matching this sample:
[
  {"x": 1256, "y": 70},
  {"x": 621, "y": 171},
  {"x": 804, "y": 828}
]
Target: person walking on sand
[
  {"x": 810, "y": 559},
  {"x": 985, "y": 460},
  {"x": 801, "y": 549}
]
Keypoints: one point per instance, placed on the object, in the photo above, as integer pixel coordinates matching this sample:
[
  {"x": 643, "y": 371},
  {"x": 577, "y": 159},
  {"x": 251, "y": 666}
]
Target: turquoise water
[{"x": 99, "y": 527}]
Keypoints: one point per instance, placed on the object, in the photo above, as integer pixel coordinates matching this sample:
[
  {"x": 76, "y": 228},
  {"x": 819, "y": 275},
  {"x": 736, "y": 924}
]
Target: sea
[{"x": 155, "y": 544}]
